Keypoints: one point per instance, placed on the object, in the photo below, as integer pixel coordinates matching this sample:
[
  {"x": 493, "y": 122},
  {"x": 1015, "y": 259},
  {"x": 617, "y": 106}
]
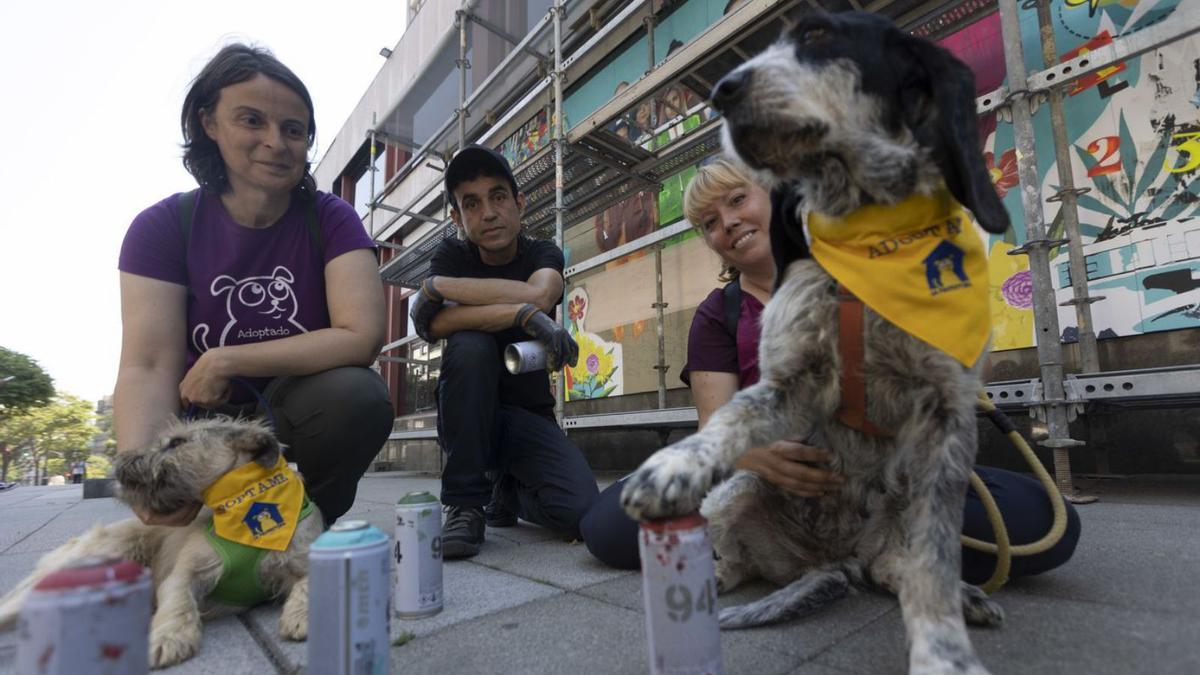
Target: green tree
[
  {"x": 23, "y": 385},
  {"x": 60, "y": 430}
]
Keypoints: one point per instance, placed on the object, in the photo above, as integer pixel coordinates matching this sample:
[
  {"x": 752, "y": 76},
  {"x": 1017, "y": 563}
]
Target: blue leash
[{"x": 192, "y": 409}]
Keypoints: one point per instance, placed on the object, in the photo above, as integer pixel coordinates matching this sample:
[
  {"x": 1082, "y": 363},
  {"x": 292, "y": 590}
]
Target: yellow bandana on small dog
[
  {"x": 257, "y": 506},
  {"x": 919, "y": 264}
]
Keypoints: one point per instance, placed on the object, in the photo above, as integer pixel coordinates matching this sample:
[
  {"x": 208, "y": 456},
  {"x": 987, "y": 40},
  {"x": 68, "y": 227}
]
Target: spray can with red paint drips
[
  {"x": 92, "y": 617},
  {"x": 679, "y": 589}
]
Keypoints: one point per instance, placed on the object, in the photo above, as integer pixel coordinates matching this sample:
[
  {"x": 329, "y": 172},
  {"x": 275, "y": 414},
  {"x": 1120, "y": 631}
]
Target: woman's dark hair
[{"x": 233, "y": 64}]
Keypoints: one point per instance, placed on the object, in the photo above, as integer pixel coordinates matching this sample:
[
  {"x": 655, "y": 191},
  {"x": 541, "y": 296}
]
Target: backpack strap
[
  {"x": 187, "y": 214},
  {"x": 733, "y": 306}
]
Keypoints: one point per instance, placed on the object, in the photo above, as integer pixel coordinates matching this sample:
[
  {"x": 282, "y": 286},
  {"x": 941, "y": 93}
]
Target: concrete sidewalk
[{"x": 1128, "y": 602}]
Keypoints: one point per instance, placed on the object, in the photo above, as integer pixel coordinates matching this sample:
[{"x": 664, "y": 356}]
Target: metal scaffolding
[{"x": 587, "y": 168}]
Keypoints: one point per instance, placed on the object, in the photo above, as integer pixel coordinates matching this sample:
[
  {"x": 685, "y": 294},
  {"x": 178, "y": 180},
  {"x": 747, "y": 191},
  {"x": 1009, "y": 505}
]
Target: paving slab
[
  {"x": 566, "y": 633},
  {"x": 530, "y": 603},
  {"x": 472, "y": 591},
  {"x": 803, "y": 638},
  {"x": 71, "y": 521}
]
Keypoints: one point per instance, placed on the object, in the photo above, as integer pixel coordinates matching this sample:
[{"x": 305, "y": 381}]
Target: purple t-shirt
[
  {"x": 244, "y": 284},
  {"x": 712, "y": 349}
]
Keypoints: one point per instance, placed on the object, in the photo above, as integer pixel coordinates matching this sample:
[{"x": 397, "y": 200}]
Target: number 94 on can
[{"x": 680, "y": 594}]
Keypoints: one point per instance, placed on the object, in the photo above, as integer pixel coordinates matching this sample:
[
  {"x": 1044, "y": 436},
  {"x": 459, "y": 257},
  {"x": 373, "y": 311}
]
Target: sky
[{"x": 89, "y": 136}]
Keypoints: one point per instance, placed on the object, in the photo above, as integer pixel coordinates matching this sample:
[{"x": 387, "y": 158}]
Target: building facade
[{"x": 634, "y": 76}]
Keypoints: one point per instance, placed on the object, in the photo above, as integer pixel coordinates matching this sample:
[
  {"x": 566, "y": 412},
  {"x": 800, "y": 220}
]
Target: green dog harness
[{"x": 239, "y": 584}]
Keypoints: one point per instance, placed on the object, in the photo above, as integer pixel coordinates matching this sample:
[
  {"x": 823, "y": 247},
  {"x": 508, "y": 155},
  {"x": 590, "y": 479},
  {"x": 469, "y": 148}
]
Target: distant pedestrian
[{"x": 78, "y": 471}]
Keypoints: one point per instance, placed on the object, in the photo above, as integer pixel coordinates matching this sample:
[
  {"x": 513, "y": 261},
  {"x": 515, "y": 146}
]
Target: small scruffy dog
[
  {"x": 848, "y": 115},
  {"x": 165, "y": 477}
]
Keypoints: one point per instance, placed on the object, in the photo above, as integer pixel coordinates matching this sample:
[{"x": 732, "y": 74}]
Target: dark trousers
[
  {"x": 611, "y": 535},
  {"x": 551, "y": 483},
  {"x": 333, "y": 424}
]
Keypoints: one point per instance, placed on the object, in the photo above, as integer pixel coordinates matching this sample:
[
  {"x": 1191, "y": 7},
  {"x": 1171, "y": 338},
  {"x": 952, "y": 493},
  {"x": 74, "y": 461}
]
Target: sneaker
[
  {"x": 497, "y": 513},
  {"x": 462, "y": 532}
]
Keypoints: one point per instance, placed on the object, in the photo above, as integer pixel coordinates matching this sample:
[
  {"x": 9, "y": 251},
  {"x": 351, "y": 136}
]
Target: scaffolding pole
[
  {"x": 1068, "y": 198},
  {"x": 1054, "y": 404},
  {"x": 559, "y": 11},
  {"x": 659, "y": 306},
  {"x": 461, "y": 19}
]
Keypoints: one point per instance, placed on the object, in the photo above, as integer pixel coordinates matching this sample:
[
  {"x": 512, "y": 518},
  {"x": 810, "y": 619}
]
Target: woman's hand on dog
[
  {"x": 178, "y": 518},
  {"x": 794, "y": 467},
  {"x": 205, "y": 384}
]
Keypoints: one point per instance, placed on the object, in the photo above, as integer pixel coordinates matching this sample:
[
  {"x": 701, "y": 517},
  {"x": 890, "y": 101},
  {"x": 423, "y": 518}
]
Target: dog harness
[
  {"x": 920, "y": 265},
  {"x": 238, "y": 583},
  {"x": 255, "y": 509}
]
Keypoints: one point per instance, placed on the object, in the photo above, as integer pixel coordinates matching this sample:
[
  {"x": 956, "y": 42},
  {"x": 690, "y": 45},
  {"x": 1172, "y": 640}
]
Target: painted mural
[
  {"x": 1134, "y": 131},
  {"x": 600, "y": 370}
]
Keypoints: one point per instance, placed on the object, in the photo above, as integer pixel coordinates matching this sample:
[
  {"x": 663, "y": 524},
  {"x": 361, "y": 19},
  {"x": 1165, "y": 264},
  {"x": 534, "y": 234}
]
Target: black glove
[
  {"x": 560, "y": 346},
  {"x": 423, "y": 306}
]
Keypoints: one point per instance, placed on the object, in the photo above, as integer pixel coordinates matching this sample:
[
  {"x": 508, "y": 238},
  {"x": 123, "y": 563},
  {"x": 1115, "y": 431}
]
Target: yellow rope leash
[{"x": 1002, "y": 549}]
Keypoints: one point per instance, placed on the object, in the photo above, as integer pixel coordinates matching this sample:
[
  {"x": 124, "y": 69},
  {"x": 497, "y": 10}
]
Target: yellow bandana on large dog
[
  {"x": 919, "y": 264},
  {"x": 257, "y": 506}
]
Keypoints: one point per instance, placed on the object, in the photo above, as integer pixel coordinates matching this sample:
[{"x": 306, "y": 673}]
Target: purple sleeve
[
  {"x": 710, "y": 347},
  {"x": 341, "y": 228},
  {"x": 153, "y": 245}
]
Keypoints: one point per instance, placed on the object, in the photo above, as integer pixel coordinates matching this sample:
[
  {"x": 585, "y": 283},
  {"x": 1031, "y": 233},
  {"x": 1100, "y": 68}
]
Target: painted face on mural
[
  {"x": 490, "y": 215},
  {"x": 735, "y": 226}
]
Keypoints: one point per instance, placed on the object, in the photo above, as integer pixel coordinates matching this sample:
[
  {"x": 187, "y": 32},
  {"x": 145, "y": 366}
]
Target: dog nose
[{"x": 730, "y": 89}]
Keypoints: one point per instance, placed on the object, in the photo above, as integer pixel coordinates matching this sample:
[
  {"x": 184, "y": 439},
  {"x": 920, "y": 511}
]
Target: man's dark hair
[{"x": 233, "y": 64}]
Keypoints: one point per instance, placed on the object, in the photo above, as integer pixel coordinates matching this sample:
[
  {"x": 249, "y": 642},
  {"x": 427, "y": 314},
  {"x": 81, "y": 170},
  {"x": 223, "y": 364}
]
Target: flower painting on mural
[
  {"x": 1004, "y": 174},
  {"x": 600, "y": 371}
]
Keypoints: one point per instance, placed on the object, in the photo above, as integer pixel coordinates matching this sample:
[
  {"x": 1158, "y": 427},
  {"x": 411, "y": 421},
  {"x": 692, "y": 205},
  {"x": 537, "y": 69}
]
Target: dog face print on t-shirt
[{"x": 258, "y": 308}]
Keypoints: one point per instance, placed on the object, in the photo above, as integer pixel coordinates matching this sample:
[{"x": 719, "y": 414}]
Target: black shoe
[
  {"x": 462, "y": 532},
  {"x": 498, "y": 513}
]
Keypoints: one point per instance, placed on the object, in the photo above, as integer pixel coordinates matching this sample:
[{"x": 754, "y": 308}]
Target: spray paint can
[
  {"x": 680, "y": 592},
  {"x": 93, "y": 617},
  {"x": 349, "y": 573},
  {"x": 418, "y": 553},
  {"x": 525, "y": 357}
]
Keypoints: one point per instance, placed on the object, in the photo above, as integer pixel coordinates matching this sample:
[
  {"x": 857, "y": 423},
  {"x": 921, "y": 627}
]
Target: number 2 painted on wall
[{"x": 1110, "y": 145}]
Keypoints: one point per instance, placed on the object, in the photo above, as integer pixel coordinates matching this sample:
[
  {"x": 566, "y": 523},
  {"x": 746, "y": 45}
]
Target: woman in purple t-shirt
[
  {"x": 255, "y": 278},
  {"x": 734, "y": 213}
]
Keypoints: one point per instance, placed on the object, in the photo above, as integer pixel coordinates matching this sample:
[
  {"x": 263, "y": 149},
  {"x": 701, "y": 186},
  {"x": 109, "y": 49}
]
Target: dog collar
[
  {"x": 256, "y": 505},
  {"x": 919, "y": 264}
]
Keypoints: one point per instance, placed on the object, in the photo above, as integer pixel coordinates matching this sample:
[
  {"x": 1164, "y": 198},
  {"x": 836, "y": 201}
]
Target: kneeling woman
[
  {"x": 733, "y": 213},
  {"x": 255, "y": 294}
]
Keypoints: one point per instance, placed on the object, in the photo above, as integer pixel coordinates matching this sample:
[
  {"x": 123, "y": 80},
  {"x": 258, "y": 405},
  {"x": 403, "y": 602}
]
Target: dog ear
[
  {"x": 786, "y": 230},
  {"x": 259, "y": 443},
  {"x": 942, "y": 109}
]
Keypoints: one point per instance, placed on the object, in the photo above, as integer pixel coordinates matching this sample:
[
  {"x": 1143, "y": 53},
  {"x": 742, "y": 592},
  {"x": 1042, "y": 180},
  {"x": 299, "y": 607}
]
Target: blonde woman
[{"x": 733, "y": 214}]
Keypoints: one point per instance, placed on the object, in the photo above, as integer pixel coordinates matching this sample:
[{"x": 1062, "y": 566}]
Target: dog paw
[
  {"x": 979, "y": 609},
  {"x": 169, "y": 646},
  {"x": 672, "y": 482},
  {"x": 293, "y": 625}
]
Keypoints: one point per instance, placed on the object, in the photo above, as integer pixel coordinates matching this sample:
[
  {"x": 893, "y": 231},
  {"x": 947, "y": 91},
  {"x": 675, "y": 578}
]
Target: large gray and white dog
[
  {"x": 844, "y": 111},
  {"x": 165, "y": 477}
]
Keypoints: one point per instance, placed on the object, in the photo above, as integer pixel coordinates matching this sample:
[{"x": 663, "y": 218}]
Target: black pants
[
  {"x": 551, "y": 482},
  {"x": 333, "y": 424},
  {"x": 611, "y": 535}
]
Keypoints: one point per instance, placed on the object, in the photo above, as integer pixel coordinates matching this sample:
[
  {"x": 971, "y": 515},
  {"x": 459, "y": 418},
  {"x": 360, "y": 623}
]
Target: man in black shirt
[{"x": 494, "y": 288}]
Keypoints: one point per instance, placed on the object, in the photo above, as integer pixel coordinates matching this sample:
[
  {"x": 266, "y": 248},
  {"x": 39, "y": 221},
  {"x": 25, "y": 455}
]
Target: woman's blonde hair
[{"x": 711, "y": 183}]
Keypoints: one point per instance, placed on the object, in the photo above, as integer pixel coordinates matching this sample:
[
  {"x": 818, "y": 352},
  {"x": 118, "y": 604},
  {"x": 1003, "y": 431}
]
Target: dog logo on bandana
[
  {"x": 945, "y": 256},
  {"x": 263, "y": 517}
]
